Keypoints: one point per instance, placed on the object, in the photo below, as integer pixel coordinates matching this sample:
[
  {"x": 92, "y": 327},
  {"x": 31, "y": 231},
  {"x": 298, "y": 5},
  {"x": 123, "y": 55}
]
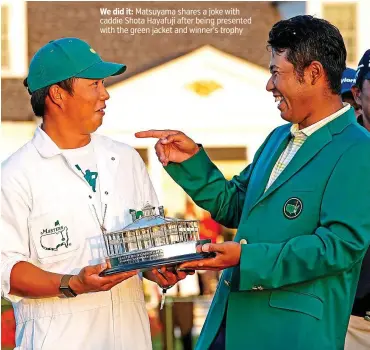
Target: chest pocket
[{"x": 54, "y": 235}]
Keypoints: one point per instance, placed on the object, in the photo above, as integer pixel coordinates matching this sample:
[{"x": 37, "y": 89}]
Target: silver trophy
[{"x": 151, "y": 241}]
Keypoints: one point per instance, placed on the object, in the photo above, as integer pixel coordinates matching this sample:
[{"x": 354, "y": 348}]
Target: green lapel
[
  {"x": 268, "y": 158},
  {"x": 309, "y": 149},
  {"x": 340, "y": 123}
]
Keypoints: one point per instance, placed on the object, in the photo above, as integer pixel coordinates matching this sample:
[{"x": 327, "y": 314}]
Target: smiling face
[
  {"x": 362, "y": 97},
  {"x": 85, "y": 108},
  {"x": 293, "y": 95}
]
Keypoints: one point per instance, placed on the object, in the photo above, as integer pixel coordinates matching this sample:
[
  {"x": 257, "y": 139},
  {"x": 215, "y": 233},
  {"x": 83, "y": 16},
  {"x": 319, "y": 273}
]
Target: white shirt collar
[
  {"x": 44, "y": 144},
  {"x": 309, "y": 130}
]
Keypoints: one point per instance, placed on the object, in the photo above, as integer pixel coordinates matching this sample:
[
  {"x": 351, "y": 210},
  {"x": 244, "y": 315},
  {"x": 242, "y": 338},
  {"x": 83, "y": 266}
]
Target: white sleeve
[{"x": 15, "y": 210}]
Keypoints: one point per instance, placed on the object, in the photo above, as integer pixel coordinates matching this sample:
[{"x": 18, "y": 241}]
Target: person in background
[
  {"x": 358, "y": 334},
  {"x": 348, "y": 79},
  {"x": 360, "y": 90}
]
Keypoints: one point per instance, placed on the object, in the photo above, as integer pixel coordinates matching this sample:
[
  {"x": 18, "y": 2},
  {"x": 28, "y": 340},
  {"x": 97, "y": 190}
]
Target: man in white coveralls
[{"x": 60, "y": 191}]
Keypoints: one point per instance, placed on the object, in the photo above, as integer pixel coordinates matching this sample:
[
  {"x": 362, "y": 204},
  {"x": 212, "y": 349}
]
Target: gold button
[
  {"x": 243, "y": 241},
  {"x": 227, "y": 283}
]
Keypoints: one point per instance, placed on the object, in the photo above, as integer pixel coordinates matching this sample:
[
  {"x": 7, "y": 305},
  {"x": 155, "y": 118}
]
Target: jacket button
[
  {"x": 113, "y": 158},
  {"x": 243, "y": 241},
  {"x": 106, "y": 192},
  {"x": 227, "y": 283}
]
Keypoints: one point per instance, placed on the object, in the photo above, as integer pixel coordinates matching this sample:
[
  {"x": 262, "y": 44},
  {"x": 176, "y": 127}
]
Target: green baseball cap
[{"x": 66, "y": 58}]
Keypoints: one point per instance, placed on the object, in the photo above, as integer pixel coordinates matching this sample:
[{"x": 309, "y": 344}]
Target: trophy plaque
[{"x": 152, "y": 241}]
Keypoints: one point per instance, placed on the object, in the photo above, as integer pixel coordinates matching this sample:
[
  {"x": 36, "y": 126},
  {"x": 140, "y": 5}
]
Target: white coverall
[{"x": 48, "y": 219}]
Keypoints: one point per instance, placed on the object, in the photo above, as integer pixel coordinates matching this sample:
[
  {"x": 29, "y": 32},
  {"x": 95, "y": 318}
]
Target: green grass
[{"x": 157, "y": 343}]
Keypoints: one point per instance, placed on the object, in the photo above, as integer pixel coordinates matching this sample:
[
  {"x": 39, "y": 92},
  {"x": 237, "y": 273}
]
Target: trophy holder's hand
[
  {"x": 166, "y": 278},
  {"x": 224, "y": 255},
  {"x": 89, "y": 279},
  {"x": 172, "y": 146}
]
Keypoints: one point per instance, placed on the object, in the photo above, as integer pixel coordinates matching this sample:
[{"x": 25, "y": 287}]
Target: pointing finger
[{"x": 155, "y": 133}]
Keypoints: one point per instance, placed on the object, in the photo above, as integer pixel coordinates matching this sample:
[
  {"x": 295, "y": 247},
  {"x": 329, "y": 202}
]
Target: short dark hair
[
  {"x": 309, "y": 39},
  {"x": 38, "y": 97}
]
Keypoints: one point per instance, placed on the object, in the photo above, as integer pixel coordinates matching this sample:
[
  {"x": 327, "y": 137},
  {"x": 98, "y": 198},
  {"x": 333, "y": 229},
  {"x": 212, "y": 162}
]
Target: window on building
[
  {"x": 230, "y": 160},
  {"x": 344, "y": 17},
  {"x": 14, "y": 59},
  {"x": 4, "y": 37}
]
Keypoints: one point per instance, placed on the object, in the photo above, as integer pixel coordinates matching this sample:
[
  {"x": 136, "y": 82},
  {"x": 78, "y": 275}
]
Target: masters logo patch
[
  {"x": 292, "y": 208},
  {"x": 54, "y": 238}
]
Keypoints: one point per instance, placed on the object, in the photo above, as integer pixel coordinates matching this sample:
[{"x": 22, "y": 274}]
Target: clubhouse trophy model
[{"x": 151, "y": 241}]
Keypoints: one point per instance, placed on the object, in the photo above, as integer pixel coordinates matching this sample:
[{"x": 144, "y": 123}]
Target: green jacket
[{"x": 307, "y": 235}]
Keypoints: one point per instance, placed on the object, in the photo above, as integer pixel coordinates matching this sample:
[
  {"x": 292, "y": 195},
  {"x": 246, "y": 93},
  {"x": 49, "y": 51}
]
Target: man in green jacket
[{"x": 301, "y": 207}]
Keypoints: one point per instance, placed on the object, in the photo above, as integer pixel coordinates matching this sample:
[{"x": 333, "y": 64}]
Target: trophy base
[{"x": 156, "y": 257}]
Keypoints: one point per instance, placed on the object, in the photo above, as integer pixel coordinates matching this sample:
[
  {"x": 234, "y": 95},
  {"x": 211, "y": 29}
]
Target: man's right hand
[
  {"x": 172, "y": 146},
  {"x": 89, "y": 280}
]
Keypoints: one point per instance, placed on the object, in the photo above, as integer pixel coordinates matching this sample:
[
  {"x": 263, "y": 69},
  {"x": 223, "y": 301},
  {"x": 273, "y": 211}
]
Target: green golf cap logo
[
  {"x": 292, "y": 208},
  {"x": 66, "y": 58}
]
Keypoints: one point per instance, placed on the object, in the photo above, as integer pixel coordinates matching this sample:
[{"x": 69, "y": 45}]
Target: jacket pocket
[
  {"x": 54, "y": 236},
  {"x": 299, "y": 302}
]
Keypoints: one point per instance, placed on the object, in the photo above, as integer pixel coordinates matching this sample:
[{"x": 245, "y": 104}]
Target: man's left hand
[
  {"x": 227, "y": 255},
  {"x": 166, "y": 277}
]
